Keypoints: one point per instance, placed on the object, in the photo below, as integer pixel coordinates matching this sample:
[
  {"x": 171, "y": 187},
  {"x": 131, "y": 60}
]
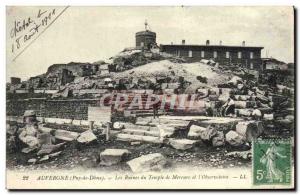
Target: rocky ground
[{"x": 88, "y": 157}]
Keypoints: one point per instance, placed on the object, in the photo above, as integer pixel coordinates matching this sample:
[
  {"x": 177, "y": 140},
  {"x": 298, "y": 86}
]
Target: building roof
[
  {"x": 147, "y": 32},
  {"x": 272, "y": 60},
  {"x": 213, "y": 46}
]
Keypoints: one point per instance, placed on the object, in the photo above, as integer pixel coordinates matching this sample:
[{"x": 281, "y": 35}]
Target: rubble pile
[{"x": 258, "y": 109}]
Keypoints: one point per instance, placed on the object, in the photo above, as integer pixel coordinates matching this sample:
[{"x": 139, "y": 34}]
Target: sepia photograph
[{"x": 150, "y": 97}]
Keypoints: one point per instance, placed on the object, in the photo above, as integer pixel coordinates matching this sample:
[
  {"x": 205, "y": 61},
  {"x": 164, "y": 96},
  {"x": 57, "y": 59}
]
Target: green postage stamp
[{"x": 272, "y": 162}]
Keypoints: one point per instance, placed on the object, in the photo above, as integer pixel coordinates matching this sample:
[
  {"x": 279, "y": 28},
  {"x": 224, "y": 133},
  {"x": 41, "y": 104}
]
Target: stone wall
[{"x": 67, "y": 109}]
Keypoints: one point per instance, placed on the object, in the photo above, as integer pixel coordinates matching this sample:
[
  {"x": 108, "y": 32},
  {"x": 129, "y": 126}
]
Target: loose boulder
[
  {"x": 32, "y": 161},
  {"x": 244, "y": 104},
  {"x": 182, "y": 144},
  {"x": 166, "y": 131},
  {"x": 150, "y": 162},
  {"x": 218, "y": 139},
  {"x": 209, "y": 133},
  {"x": 246, "y": 155},
  {"x": 235, "y": 80},
  {"x": 196, "y": 131},
  {"x": 113, "y": 156},
  {"x": 49, "y": 148},
  {"x": 244, "y": 112},
  {"x": 249, "y": 129},
  {"x": 66, "y": 135},
  {"x": 290, "y": 118},
  {"x": 86, "y": 137},
  {"x": 234, "y": 139}
]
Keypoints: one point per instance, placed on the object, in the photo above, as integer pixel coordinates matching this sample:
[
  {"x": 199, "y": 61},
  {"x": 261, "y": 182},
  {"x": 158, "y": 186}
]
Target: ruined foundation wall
[{"x": 68, "y": 109}]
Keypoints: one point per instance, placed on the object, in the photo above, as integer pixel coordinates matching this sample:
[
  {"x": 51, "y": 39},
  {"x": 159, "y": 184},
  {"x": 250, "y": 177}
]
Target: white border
[{"x": 4, "y": 3}]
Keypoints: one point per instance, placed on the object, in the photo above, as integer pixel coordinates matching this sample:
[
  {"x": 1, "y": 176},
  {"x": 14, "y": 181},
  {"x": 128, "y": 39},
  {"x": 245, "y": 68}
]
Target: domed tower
[{"x": 145, "y": 39}]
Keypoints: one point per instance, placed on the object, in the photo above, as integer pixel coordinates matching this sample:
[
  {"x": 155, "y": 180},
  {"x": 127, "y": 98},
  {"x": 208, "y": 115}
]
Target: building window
[
  {"x": 239, "y": 54},
  {"x": 190, "y": 53},
  {"x": 227, "y": 54},
  {"x": 251, "y": 65},
  {"x": 202, "y": 54},
  {"x": 215, "y": 54},
  {"x": 251, "y": 55},
  {"x": 142, "y": 44}
]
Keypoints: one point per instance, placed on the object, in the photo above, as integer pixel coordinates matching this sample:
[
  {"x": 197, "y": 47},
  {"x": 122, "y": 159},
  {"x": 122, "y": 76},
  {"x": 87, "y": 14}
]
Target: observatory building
[{"x": 145, "y": 39}]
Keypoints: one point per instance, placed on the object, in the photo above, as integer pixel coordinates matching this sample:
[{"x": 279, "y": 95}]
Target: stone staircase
[{"x": 144, "y": 130}]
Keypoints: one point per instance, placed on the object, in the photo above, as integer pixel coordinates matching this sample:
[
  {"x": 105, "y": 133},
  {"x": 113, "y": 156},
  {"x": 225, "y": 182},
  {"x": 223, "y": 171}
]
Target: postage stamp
[{"x": 272, "y": 161}]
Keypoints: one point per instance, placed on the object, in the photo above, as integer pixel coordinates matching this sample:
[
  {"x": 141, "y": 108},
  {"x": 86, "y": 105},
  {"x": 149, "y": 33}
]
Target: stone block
[
  {"x": 249, "y": 129},
  {"x": 113, "y": 156},
  {"x": 66, "y": 135},
  {"x": 165, "y": 130},
  {"x": 86, "y": 137},
  {"x": 49, "y": 148},
  {"x": 182, "y": 144},
  {"x": 234, "y": 139},
  {"x": 218, "y": 139},
  {"x": 146, "y": 163},
  {"x": 196, "y": 131}
]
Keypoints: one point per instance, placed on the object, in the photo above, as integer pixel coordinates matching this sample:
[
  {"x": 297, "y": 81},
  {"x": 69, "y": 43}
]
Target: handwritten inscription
[{"x": 26, "y": 29}]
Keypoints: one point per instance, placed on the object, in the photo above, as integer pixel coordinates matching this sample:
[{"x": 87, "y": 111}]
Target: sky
[{"x": 89, "y": 34}]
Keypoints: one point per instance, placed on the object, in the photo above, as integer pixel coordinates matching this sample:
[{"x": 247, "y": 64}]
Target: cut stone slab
[
  {"x": 196, "y": 118},
  {"x": 49, "y": 156},
  {"x": 182, "y": 144},
  {"x": 55, "y": 154},
  {"x": 221, "y": 123},
  {"x": 218, "y": 139},
  {"x": 242, "y": 97},
  {"x": 249, "y": 129},
  {"x": 244, "y": 112},
  {"x": 196, "y": 131},
  {"x": 290, "y": 118},
  {"x": 44, "y": 158},
  {"x": 150, "y": 162},
  {"x": 28, "y": 150},
  {"x": 141, "y": 132},
  {"x": 209, "y": 133},
  {"x": 234, "y": 139},
  {"x": 113, "y": 156},
  {"x": 49, "y": 148},
  {"x": 268, "y": 117},
  {"x": 244, "y": 104},
  {"x": 66, "y": 135},
  {"x": 174, "y": 123},
  {"x": 134, "y": 126},
  {"x": 223, "y": 98},
  {"x": 45, "y": 129},
  {"x": 131, "y": 138},
  {"x": 86, "y": 137},
  {"x": 32, "y": 160},
  {"x": 166, "y": 131},
  {"x": 246, "y": 155},
  {"x": 143, "y": 123},
  {"x": 135, "y": 143}
]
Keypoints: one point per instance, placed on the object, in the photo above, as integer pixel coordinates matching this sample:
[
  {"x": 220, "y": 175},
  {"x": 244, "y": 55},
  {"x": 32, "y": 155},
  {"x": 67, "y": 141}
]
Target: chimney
[
  {"x": 183, "y": 42},
  {"x": 207, "y": 42},
  {"x": 220, "y": 42},
  {"x": 243, "y": 43}
]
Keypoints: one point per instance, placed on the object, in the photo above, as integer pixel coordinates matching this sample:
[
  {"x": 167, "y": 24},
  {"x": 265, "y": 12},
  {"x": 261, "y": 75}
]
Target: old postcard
[{"x": 170, "y": 97}]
